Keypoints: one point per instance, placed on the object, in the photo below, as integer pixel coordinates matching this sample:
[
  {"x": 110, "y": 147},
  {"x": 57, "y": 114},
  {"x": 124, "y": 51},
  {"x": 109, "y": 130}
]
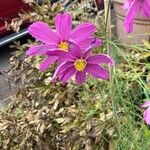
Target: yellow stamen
[
  {"x": 64, "y": 46},
  {"x": 80, "y": 64}
]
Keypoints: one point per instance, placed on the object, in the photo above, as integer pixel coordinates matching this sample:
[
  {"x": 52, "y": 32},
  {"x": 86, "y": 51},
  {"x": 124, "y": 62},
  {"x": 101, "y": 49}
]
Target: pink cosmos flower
[
  {"x": 56, "y": 43},
  {"x": 79, "y": 63},
  {"x": 133, "y": 7},
  {"x": 146, "y": 113}
]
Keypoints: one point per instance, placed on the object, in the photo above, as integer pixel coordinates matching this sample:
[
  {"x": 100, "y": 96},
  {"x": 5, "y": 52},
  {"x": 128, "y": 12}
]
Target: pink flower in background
[
  {"x": 55, "y": 44},
  {"x": 134, "y": 7},
  {"x": 79, "y": 63},
  {"x": 146, "y": 113}
]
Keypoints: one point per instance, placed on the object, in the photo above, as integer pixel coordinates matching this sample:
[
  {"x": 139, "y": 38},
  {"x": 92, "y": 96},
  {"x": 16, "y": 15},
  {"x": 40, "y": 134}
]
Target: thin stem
[{"x": 107, "y": 11}]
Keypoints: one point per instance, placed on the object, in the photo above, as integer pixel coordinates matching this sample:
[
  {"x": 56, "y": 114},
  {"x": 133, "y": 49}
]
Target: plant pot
[{"x": 141, "y": 28}]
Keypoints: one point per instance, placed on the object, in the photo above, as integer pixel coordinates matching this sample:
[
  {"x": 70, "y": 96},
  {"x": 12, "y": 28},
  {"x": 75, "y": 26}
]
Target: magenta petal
[
  {"x": 75, "y": 51},
  {"x": 38, "y": 50},
  {"x": 96, "y": 42},
  {"x": 80, "y": 77},
  {"x": 42, "y": 32},
  {"x": 63, "y": 56},
  {"x": 129, "y": 26},
  {"x": 145, "y": 8},
  {"x": 131, "y": 14},
  {"x": 84, "y": 44},
  {"x": 86, "y": 53},
  {"x": 47, "y": 62},
  {"x": 55, "y": 75},
  {"x": 90, "y": 43},
  {"x": 68, "y": 73},
  {"x": 61, "y": 68},
  {"x": 64, "y": 67},
  {"x": 101, "y": 59},
  {"x": 82, "y": 32},
  {"x": 56, "y": 52},
  {"x": 63, "y": 23},
  {"x": 146, "y": 116},
  {"x": 97, "y": 71}
]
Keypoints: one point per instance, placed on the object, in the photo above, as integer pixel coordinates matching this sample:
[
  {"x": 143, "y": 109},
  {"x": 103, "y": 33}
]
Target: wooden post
[{"x": 107, "y": 7}]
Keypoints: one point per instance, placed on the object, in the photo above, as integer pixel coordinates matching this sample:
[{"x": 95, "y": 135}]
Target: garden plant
[{"x": 78, "y": 87}]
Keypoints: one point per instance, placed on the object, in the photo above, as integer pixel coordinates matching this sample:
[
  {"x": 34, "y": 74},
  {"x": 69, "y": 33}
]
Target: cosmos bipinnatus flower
[
  {"x": 80, "y": 63},
  {"x": 133, "y": 8},
  {"x": 55, "y": 43}
]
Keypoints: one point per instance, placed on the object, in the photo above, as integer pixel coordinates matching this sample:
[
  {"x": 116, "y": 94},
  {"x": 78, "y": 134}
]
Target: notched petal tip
[
  {"x": 62, "y": 14},
  {"x": 63, "y": 23},
  {"x": 35, "y": 24}
]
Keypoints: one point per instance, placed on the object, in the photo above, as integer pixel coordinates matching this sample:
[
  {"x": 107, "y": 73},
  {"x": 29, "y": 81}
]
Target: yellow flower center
[
  {"x": 64, "y": 46},
  {"x": 80, "y": 64}
]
